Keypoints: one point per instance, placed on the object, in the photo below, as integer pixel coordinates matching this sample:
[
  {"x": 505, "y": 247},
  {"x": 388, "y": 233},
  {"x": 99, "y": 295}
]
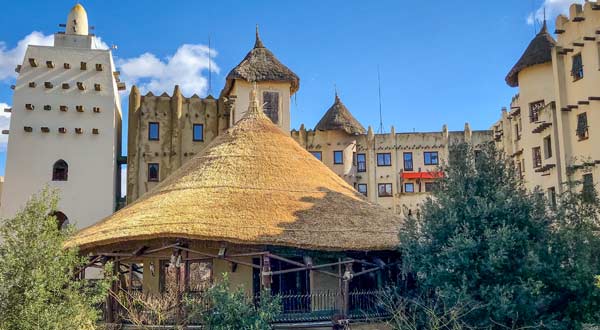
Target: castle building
[
  {"x": 547, "y": 131},
  {"x": 396, "y": 170},
  {"x": 65, "y": 128}
]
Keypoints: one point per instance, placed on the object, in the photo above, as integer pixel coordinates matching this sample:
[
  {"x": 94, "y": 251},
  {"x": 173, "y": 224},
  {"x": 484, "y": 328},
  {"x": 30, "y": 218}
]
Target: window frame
[
  {"x": 267, "y": 106},
  {"x": 358, "y": 163},
  {"x": 433, "y": 186},
  {"x": 341, "y": 153},
  {"x": 437, "y": 158},
  {"x": 411, "y": 184},
  {"x": 404, "y": 161},
  {"x": 536, "y": 157},
  {"x": 385, "y": 156},
  {"x": 582, "y": 133},
  {"x": 577, "y": 72},
  {"x": 547, "y": 142},
  {"x": 194, "y": 132},
  {"x": 150, "y": 124},
  {"x": 534, "y": 110},
  {"x": 64, "y": 174},
  {"x": 366, "y": 192},
  {"x": 315, "y": 153},
  {"x": 587, "y": 187},
  {"x": 385, "y": 185},
  {"x": 148, "y": 178}
]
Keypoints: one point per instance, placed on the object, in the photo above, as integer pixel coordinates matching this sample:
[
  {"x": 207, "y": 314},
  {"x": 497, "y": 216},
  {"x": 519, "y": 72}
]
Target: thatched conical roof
[
  {"x": 338, "y": 117},
  {"x": 539, "y": 51},
  {"x": 252, "y": 185},
  {"x": 261, "y": 65}
]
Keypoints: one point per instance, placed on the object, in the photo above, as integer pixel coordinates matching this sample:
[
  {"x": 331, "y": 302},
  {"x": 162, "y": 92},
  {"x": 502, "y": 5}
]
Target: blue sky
[{"x": 440, "y": 61}]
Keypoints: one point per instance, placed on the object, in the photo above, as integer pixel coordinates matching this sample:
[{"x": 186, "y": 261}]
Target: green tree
[
  {"x": 225, "y": 308},
  {"x": 486, "y": 241},
  {"x": 37, "y": 289}
]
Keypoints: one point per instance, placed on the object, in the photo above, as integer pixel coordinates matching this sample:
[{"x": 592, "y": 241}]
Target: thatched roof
[
  {"x": 261, "y": 65},
  {"x": 539, "y": 51},
  {"x": 252, "y": 185},
  {"x": 338, "y": 117}
]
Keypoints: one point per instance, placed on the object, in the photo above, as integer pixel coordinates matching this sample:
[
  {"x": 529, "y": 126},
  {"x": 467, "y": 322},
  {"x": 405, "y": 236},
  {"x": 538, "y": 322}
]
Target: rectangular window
[
  {"x": 198, "y": 132},
  {"x": 153, "y": 131},
  {"x": 431, "y": 186},
  {"x": 534, "y": 110},
  {"x": 153, "y": 172},
  {"x": 271, "y": 106},
  {"x": 431, "y": 157},
  {"x": 519, "y": 170},
  {"x": 589, "y": 192},
  {"x": 577, "y": 67},
  {"x": 318, "y": 155},
  {"x": 517, "y": 132},
  {"x": 361, "y": 162},
  {"x": 547, "y": 147},
  {"x": 409, "y": 187},
  {"x": 385, "y": 189},
  {"x": 537, "y": 157},
  {"x": 552, "y": 197},
  {"x": 384, "y": 159},
  {"x": 362, "y": 188},
  {"x": 338, "y": 157},
  {"x": 408, "y": 161},
  {"x": 582, "y": 126}
]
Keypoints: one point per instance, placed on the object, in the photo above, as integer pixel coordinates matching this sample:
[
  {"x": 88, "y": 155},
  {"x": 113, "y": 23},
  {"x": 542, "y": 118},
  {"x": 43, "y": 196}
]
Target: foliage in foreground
[
  {"x": 220, "y": 307},
  {"x": 37, "y": 290},
  {"x": 483, "y": 240}
]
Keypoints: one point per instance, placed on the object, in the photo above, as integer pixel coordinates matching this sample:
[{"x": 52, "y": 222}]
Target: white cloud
[
  {"x": 9, "y": 58},
  {"x": 553, "y": 8},
  {"x": 4, "y": 124},
  {"x": 185, "y": 68}
]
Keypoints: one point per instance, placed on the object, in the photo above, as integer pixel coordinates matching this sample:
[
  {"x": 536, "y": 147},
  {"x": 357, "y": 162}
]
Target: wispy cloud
[
  {"x": 553, "y": 8},
  {"x": 186, "y": 68}
]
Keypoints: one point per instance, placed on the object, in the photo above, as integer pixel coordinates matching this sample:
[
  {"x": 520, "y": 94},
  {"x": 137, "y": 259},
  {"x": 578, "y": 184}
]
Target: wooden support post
[
  {"x": 346, "y": 290},
  {"x": 109, "y": 313},
  {"x": 265, "y": 278},
  {"x": 130, "y": 277}
]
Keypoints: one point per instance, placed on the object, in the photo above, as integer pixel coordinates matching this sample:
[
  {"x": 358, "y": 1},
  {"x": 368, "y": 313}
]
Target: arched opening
[
  {"x": 61, "y": 219},
  {"x": 60, "y": 171}
]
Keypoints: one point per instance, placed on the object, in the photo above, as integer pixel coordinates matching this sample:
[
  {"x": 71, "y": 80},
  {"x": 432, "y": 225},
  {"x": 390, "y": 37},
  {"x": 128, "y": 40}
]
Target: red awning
[{"x": 422, "y": 175}]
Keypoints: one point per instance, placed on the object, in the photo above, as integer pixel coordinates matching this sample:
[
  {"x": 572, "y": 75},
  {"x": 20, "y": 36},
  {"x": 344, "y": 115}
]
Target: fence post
[
  {"x": 265, "y": 276},
  {"x": 346, "y": 290}
]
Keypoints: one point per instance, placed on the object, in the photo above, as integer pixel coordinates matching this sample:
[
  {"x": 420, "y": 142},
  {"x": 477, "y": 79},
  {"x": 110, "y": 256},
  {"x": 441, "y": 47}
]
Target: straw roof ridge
[
  {"x": 338, "y": 117},
  {"x": 261, "y": 65},
  {"x": 539, "y": 51},
  {"x": 252, "y": 185}
]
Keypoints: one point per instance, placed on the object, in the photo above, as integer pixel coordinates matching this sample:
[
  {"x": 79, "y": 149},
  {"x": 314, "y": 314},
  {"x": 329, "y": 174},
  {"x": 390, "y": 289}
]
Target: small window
[
  {"x": 338, "y": 157},
  {"x": 60, "y": 171},
  {"x": 362, "y": 188},
  {"x": 385, "y": 189},
  {"x": 198, "y": 132},
  {"x": 547, "y": 147},
  {"x": 517, "y": 132},
  {"x": 534, "y": 110},
  {"x": 409, "y": 187},
  {"x": 537, "y": 157},
  {"x": 408, "y": 161},
  {"x": 153, "y": 172},
  {"x": 431, "y": 186},
  {"x": 552, "y": 197},
  {"x": 582, "y": 126},
  {"x": 318, "y": 155},
  {"x": 271, "y": 106},
  {"x": 589, "y": 192},
  {"x": 577, "y": 67},
  {"x": 61, "y": 219},
  {"x": 361, "y": 163},
  {"x": 153, "y": 131},
  {"x": 384, "y": 159},
  {"x": 431, "y": 157}
]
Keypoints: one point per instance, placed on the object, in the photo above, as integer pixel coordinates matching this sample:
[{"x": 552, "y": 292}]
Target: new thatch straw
[
  {"x": 252, "y": 185},
  {"x": 339, "y": 118}
]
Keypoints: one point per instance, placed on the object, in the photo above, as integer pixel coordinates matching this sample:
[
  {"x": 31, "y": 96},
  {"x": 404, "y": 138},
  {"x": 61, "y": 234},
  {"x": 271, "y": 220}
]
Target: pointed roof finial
[
  {"x": 258, "y": 43},
  {"x": 337, "y": 98}
]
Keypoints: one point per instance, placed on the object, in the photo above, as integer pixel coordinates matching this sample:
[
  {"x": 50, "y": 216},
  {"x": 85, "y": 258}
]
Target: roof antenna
[
  {"x": 380, "y": 131},
  {"x": 209, "y": 68}
]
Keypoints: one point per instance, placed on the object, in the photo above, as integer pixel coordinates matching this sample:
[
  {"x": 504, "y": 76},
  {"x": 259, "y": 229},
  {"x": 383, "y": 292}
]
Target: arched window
[
  {"x": 61, "y": 219},
  {"x": 60, "y": 171}
]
